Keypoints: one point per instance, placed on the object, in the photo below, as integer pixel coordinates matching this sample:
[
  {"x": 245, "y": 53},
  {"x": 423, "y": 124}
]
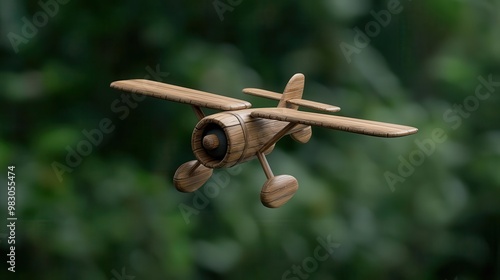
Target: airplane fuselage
[{"x": 229, "y": 138}]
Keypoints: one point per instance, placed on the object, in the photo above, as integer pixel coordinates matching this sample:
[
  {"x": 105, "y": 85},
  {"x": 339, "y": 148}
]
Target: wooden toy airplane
[{"x": 239, "y": 134}]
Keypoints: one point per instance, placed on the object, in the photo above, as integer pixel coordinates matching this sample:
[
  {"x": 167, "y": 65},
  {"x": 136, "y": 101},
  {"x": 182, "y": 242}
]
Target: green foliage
[{"x": 116, "y": 208}]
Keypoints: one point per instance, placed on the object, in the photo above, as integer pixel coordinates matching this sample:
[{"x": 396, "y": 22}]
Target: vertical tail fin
[{"x": 293, "y": 90}]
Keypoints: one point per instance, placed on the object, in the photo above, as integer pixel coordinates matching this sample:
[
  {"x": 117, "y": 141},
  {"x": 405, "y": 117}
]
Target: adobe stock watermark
[
  {"x": 372, "y": 29},
  {"x": 221, "y": 7},
  {"x": 92, "y": 138},
  {"x": 310, "y": 264},
  {"x": 30, "y": 27},
  {"x": 210, "y": 190},
  {"x": 454, "y": 117},
  {"x": 121, "y": 276}
]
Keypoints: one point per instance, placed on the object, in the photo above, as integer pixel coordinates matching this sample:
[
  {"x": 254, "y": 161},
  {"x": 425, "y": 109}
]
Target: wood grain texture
[
  {"x": 245, "y": 136},
  {"x": 191, "y": 176},
  {"x": 211, "y": 142},
  {"x": 293, "y": 90},
  {"x": 359, "y": 126},
  {"x": 284, "y": 131},
  {"x": 241, "y": 134},
  {"x": 265, "y": 165},
  {"x": 299, "y": 102},
  {"x": 181, "y": 94},
  {"x": 278, "y": 191},
  {"x": 198, "y": 112},
  {"x": 314, "y": 105},
  {"x": 262, "y": 93},
  {"x": 303, "y": 136}
]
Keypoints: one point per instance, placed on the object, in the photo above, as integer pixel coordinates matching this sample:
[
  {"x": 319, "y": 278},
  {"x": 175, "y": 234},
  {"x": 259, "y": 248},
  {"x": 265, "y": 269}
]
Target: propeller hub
[{"x": 211, "y": 142}]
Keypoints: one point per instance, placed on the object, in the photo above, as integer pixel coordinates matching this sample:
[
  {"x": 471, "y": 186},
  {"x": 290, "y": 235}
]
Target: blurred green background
[{"x": 115, "y": 214}]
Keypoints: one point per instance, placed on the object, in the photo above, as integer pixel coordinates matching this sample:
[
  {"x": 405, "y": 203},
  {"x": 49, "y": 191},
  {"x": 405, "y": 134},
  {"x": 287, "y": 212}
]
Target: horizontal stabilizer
[
  {"x": 298, "y": 102},
  {"x": 314, "y": 105},
  {"x": 262, "y": 93}
]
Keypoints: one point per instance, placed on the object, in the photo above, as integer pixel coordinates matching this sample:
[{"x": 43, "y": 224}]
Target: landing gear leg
[{"x": 277, "y": 190}]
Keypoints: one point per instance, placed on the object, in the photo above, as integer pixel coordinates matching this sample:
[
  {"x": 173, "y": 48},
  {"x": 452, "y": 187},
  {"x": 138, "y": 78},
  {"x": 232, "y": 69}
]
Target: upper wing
[
  {"x": 181, "y": 94},
  {"x": 373, "y": 128}
]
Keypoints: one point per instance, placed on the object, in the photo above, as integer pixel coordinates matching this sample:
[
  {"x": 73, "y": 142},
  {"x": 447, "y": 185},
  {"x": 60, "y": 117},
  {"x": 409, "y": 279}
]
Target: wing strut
[
  {"x": 278, "y": 136},
  {"x": 278, "y": 189},
  {"x": 198, "y": 112},
  {"x": 272, "y": 141}
]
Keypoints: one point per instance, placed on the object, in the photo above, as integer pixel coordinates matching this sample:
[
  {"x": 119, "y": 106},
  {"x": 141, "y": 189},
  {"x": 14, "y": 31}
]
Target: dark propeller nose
[
  {"x": 210, "y": 142},
  {"x": 214, "y": 142}
]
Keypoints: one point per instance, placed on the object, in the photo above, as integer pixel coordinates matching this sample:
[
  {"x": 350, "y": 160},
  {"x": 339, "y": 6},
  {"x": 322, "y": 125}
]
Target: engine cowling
[{"x": 229, "y": 138}]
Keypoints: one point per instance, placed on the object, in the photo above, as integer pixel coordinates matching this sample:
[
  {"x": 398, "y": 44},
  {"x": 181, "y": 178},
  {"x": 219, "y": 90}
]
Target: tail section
[
  {"x": 302, "y": 136},
  {"x": 293, "y": 90}
]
